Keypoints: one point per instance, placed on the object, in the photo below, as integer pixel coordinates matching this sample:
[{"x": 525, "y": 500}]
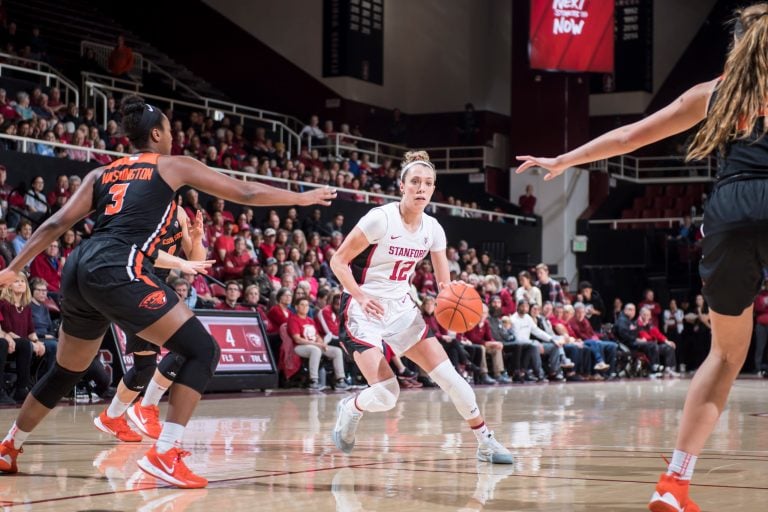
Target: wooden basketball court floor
[{"x": 580, "y": 447}]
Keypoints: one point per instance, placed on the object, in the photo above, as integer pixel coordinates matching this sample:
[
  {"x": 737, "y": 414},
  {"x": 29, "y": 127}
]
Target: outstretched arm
[
  {"x": 74, "y": 210},
  {"x": 684, "y": 113},
  {"x": 178, "y": 171},
  {"x": 165, "y": 260}
]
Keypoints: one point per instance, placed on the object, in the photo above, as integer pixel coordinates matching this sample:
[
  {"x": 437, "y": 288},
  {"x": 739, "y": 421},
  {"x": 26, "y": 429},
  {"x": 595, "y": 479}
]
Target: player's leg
[
  {"x": 730, "y": 296},
  {"x": 112, "y": 419},
  {"x": 362, "y": 338},
  {"x": 431, "y": 357},
  {"x": 182, "y": 333},
  {"x": 146, "y": 413},
  {"x": 73, "y": 357}
]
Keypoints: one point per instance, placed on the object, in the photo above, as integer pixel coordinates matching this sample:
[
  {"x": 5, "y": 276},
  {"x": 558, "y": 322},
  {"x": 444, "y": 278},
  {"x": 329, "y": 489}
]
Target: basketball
[{"x": 459, "y": 307}]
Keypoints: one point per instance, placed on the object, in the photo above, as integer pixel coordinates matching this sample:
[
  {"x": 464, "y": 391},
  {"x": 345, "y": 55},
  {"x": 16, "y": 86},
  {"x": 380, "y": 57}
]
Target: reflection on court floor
[{"x": 584, "y": 447}]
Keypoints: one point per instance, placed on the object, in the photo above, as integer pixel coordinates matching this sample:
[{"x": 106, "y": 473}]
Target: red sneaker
[
  {"x": 671, "y": 495},
  {"x": 8, "y": 456},
  {"x": 170, "y": 468},
  {"x": 117, "y": 427},
  {"x": 146, "y": 419}
]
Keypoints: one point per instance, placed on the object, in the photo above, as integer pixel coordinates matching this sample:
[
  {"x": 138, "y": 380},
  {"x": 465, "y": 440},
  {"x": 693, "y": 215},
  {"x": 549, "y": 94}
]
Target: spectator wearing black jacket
[
  {"x": 594, "y": 304},
  {"x": 626, "y": 331}
]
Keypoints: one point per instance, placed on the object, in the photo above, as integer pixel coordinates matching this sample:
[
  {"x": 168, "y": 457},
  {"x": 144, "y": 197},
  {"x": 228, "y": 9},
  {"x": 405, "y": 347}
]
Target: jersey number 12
[{"x": 400, "y": 272}]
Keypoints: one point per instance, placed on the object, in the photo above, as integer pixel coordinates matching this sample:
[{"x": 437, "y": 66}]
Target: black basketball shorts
[{"x": 105, "y": 281}]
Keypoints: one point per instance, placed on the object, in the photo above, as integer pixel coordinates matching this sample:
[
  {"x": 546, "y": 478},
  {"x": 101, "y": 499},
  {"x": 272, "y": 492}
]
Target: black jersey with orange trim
[{"x": 135, "y": 205}]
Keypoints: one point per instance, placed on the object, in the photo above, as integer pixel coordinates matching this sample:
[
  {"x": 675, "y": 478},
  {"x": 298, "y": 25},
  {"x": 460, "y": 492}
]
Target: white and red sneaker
[
  {"x": 8, "y": 455},
  {"x": 117, "y": 427},
  {"x": 146, "y": 419},
  {"x": 671, "y": 495},
  {"x": 169, "y": 467}
]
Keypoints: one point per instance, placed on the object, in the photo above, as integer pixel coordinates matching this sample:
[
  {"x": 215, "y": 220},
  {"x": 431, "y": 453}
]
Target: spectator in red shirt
[
  {"x": 424, "y": 280},
  {"x": 231, "y": 299},
  {"x": 67, "y": 243},
  {"x": 271, "y": 272},
  {"x": 20, "y": 335},
  {"x": 268, "y": 246},
  {"x": 225, "y": 243},
  {"x": 61, "y": 189},
  {"x": 47, "y": 266},
  {"x": 761, "y": 328},
  {"x": 201, "y": 289},
  {"x": 649, "y": 302},
  {"x": 649, "y": 332},
  {"x": 309, "y": 277},
  {"x": 481, "y": 335},
  {"x": 527, "y": 201},
  {"x": 215, "y": 229},
  {"x": 327, "y": 319},
  {"x": 604, "y": 352},
  {"x": 121, "y": 59},
  {"x": 219, "y": 206},
  {"x": 308, "y": 345},
  {"x": 251, "y": 299},
  {"x": 280, "y": 312},
  {"x": 235, "y": 261},
  {"x": 507, "y": 294}
]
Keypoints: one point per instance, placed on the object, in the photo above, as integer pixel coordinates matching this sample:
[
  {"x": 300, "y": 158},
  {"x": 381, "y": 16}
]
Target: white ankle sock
[
  {"x": 153, "y": 394},
  {"x": 117, "y": 408},
  {"x": 17, "y": 436},
  {"x": 481, "y": 432},
  {"x": 170, "y": 436},
  {"x": 682, "y": 465}
]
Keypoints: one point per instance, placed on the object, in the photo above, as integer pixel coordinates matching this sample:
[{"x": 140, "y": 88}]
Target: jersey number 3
[
  {"x": 400, "y": 272},
  {"x": 118, "y": 196}
]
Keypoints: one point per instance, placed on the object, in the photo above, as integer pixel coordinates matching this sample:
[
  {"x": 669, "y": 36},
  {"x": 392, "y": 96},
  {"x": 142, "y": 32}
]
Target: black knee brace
[
  {"x": 56, "y": 383},
  {"x": 201, "y": 353},
  {"x": 141, "y": 373},
  {"x": 170, "y": 365}
]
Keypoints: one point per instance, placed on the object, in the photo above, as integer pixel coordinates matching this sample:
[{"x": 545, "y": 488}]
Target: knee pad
[
  {"x": 200, "y": 351},
  {"x": 56, "y": 383},
  {"x": 170, "y": 365},
  {"x": 139, "y": 376},
  {"x": 380, "y": 397},
  {"x": 458, "y": 389}
]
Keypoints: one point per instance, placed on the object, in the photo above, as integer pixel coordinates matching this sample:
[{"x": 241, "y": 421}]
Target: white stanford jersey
[{"x": 385, "y": 268}]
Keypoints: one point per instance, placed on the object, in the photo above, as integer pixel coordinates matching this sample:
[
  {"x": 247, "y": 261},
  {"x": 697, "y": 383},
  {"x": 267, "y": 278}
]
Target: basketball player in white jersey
[{"x": 374, "y": 265}]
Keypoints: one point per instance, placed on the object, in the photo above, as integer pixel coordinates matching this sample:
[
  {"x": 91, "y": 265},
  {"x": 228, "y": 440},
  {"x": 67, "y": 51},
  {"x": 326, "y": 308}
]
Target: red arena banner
[
  {"x": 572, "y": 35},
  {"x": 243, "y": 347}
]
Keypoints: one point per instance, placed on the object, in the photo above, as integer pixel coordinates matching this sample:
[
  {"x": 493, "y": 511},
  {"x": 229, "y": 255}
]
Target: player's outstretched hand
[
  {"x": 440, "y": 286},
  {"x": 7, "y": 277},
  {"x": 552, "y": 165},
  {"x": 372, "y": 307},
  {"x": 196, "y": 267},
  {"x": 322, "y": 196},
  {"x": 197, "y": 229}
]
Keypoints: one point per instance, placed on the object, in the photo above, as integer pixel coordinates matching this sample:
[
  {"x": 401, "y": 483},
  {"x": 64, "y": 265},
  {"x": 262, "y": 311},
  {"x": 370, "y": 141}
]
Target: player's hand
[
  {"x": 371, "y": 307},
  {"x": 197, "y": 229},
  {"x": 322, "y": 196},
  {"x": 552, "y": 165},
  {"x": 38, "y": 347},
  {"x": 196, "y": 267},
  {"x": 7, "y": 277},
  {"x": 440, "y": 286}
]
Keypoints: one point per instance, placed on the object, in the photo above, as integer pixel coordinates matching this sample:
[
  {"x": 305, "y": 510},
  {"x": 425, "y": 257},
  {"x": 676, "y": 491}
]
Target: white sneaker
[
  {"x": 601, "y": 366},
  {"x": 343, "y": 434},
  {"x": 669, "y": 372},
  {"x": 490, "y": 450}
]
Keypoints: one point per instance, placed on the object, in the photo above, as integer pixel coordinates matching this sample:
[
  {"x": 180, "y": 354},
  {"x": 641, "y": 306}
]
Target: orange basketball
[{"x": 459, "y": 307}]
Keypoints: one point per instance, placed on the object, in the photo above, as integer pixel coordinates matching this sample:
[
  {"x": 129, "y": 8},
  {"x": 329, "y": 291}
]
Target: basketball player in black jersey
[
  {"x": 109, "y": 278},
  {"x": 735, "y": 228},
  {"x": 146, "y": 374}
]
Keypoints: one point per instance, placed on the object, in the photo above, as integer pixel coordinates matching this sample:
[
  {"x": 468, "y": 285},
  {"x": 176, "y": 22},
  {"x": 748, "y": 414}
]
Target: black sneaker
[{"x": 407, "y": 374}]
